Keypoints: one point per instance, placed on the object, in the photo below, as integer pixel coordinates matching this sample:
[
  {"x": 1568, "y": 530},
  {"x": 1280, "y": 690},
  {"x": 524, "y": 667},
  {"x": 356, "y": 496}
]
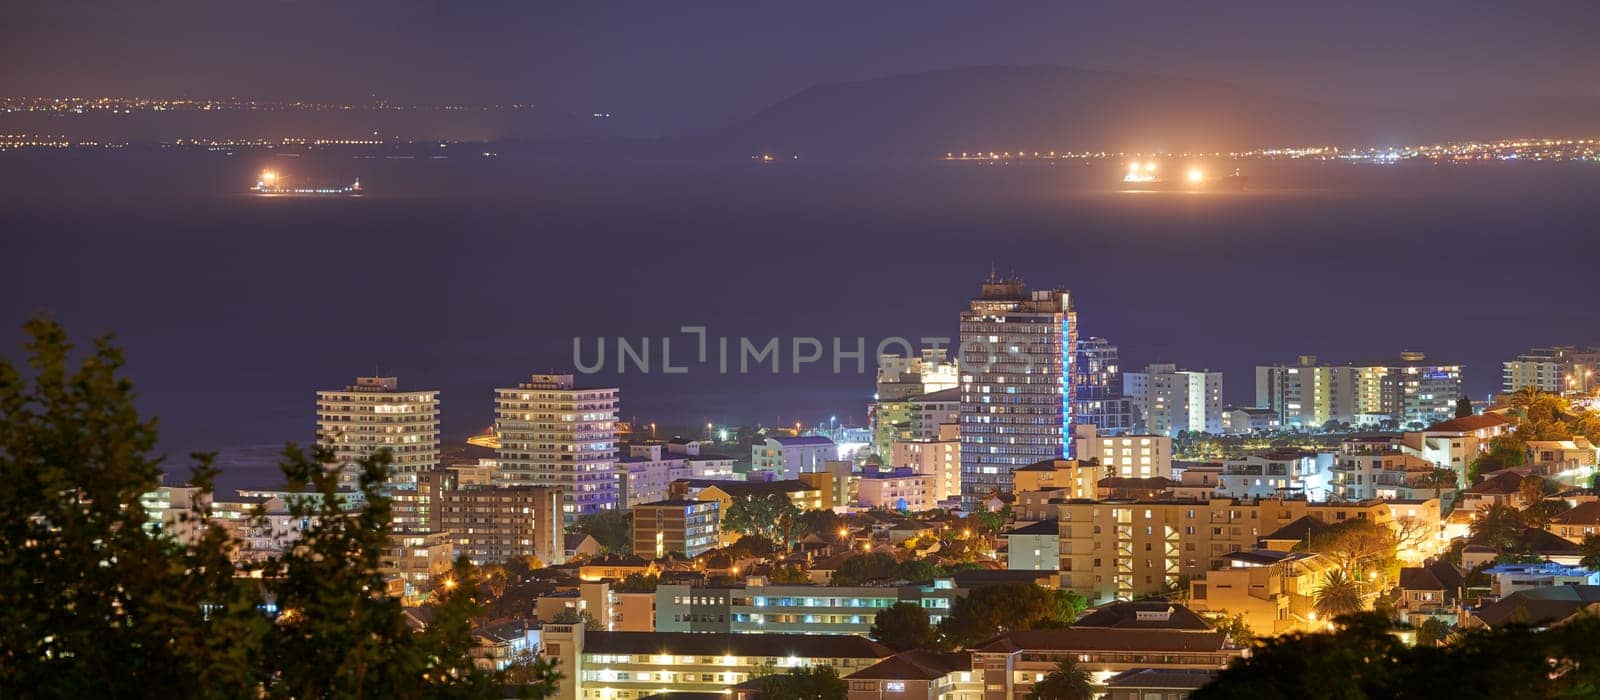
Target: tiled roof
[
  {"x": 1162, "y": 678},
  {"x": 915, "y": 665},
  {"x": 1107, "y": 639},
  {"x": 802, "y": 440},
  {"x": 1125, "y": 615},
  {"x": 1416, "y": 578},
  {"x": 1045, "y": 465},
  {"x": 1469, "y": 423},
  {"x": 1539, "y": 605},
  {"x": 1541, "y": 542},
  {"x": 805, "y": 646},
  {"x": 1296, "y": 529},
  {"x": 1587, "y": 513},
  {"x": 1502, "y": 483},
  {"x": 1043, "y": 527}
]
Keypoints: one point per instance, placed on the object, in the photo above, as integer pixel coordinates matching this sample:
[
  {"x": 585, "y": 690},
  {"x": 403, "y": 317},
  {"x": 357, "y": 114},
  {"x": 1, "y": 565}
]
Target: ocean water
[{"x": 463, "y": 273}]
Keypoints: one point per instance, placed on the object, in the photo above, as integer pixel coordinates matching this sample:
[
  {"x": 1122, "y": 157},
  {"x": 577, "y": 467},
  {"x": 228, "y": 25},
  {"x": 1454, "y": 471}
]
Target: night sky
[
  {"x": 667, "y": 68},
  {"x": 469, "y": 274}
]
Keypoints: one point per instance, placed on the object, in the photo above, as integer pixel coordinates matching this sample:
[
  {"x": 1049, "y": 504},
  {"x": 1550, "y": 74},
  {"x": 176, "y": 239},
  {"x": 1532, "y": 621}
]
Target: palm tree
[
  {"x": 1067, "y": 682},
  {"x": 1338, "y": 595},
  {"x": 1499, "y": 527}
]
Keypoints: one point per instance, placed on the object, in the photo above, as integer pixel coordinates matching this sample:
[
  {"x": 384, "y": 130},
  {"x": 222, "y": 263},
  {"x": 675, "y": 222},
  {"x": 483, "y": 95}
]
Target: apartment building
[
  {"x": 632, "y": 665},
  {"x": 1119, "y": 550}
]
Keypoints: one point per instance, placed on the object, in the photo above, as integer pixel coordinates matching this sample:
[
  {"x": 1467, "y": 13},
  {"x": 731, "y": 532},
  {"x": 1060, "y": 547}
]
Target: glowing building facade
[
  {"x": 1017, "y": 356},
  {"x": 372, "y": 415},
  {"x": 553, "y": 433}
]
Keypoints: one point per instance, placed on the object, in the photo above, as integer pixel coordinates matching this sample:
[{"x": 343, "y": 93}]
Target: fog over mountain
[{"x": 1010, "y": 108}]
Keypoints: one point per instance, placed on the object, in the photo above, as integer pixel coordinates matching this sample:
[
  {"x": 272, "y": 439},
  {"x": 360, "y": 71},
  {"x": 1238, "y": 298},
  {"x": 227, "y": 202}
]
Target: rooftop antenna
[{"x": 991, "y": 272}]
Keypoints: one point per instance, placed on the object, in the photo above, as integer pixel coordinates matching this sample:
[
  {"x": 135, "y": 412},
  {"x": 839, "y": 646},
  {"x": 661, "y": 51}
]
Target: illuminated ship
[
  {"x": 1142, "y": 177},
  {"x": 271, "y": 182}
]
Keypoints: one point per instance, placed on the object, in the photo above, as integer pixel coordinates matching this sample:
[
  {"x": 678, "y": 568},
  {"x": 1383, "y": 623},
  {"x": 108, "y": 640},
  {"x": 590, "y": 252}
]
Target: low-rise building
[
  {"x": 1274, "y": 591},
  {"x": 1277, "y": 473},
  {"x": 1382, "y": 466},
  {"x": 683, "y": 526},
  {"x": 1130, "y": 456},
  {"x": 838, "y": 483},
  {"x": 1540, "y": 607},
  {"x": 1578, "y": 523},
  {"x": 799, "y": 609},
  {"x": 939, "y": 455},
  {"x": 1430, "y": 590},
  {"x": 899, "y": 488},
  {"x": 1153, "y": 634},
  {"x": 1505, "y": 579},
  {"x": 1119, "y": 550},
  {"x": 804, "y": 496},
  {"x": 487, "y": 524},
  {"x": 1502, "y": 488},
  {"x": 645, "y": 472},
  {"x": 1035, "y": 547},
  {"x": 786, "y": 457},
  {"x": 1077, "y": 478},
  {"x": 632, "y": 665},
  {"x": 418, "y": 558},
  {"x": 917, "y": 675},
  {"x": 1157, "y": 683},
  {"x": 1577, "y": 455},
  {"x": 1245, "y": 420}
]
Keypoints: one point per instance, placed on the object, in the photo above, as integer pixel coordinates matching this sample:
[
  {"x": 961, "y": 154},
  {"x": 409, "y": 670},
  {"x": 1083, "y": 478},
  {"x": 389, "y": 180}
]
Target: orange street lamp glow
[{"x": 1196, "y": 176}]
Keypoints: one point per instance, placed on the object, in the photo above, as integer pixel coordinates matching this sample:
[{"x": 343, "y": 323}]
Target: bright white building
[
  {"x": 1132, "y": 456},
  {"x": 372, "y": 415},
  {"x": 1169, "y": 400},
  {"x": 899, "y": 489},
  {"x": 940, "y": 457},
  {"x": 644, "y": 473},
  {"x": 1275, "y": 474},
  {"x": 788, "y": 457}
]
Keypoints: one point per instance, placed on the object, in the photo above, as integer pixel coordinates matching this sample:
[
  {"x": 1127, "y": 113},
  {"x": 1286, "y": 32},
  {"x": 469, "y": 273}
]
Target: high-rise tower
[
  {"x": 553, "y": 433},
  {"x": 1018, "y": 380},
  {"x": 373, "y": 414}
]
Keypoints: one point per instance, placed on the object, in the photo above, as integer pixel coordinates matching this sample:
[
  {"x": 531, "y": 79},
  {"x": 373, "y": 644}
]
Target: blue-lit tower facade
[
  {"x": 1018, "y": 357},
  {"x": 1100, "y": 401}
]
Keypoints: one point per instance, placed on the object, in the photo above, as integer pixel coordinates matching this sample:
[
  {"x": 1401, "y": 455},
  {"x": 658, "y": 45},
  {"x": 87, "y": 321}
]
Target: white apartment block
[
  {"x": 1132, "y": 456},
  {"x": 1169, "y": 400},
  {"x": 939, "y": 457},
  {"x": 553, "y": 433},
  {"x": 372, "y": 415},
  {"x": 789, "y": 457}
]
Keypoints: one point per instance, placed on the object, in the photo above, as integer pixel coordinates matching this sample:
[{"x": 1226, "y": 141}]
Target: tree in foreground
[
  {"x": 1363, "y": 660},
  {"x": 904, "y": 626},
  {"x": 92, "y": 603},
  {"x": 96, "y": 601},
  {"x": 1432, "y": 632},
  {"x": 1066, "y": 682}
]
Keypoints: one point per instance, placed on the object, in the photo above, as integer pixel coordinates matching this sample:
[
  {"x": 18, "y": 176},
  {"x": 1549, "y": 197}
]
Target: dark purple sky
[{"x": 669, "y": 67}]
